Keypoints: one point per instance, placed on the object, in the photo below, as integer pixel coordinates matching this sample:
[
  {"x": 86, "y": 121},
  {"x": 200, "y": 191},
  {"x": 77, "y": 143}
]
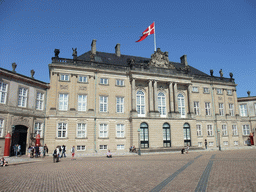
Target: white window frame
[
  {"x": 246, "y": 129},
  {"x": 38, "y": 129},
  {"x": 181, "y": 105},
  {"x": 120, "y": 104},
  {"x": 209, "y": 130},
  {"x": 229, "y": 91},
  {"x": 120, "y": 147},
  {"x": 64, "y": 77},
  {"x": 206, "y": 90},
  {"x": 225, "y": 143},
  {"x": 3, "y": 92},
  {"x": 103, "y": 130},
  {"x": 62, "y": 128},
  {"x": 243, "y": 110},
  {"x": 199, "y": 130},
  {"x": 224, "y": 130},
  {"x": 80, "y": 148},
  {"x": 81, "y": 130},
  {"x": 23, "y": 97},
  {"x": 104, "y": 81},
  {"x": 103, "y": 104},
  {"x": 231, "y": 109},
  {"x": 207, "y": 108},
  {"x": 39, "y": 101},
  {"x": 221, "y": 109},
  {"x": 235, "y": 143},
  {"x": 63, "y": 101},
  {"x": 82, "y": 79},
  {"x": 196, "y": 108},
  {"x": 120, "y": 130},
  {"x": 234, "y": 130},
  {"x": 161, "y": 101},
  {"x": 219, "y": 91},
  {"x": 140, "y": 103},
  {"x": 103, "y": 147},
  {"x": 195, "y": 89},
  {"x": 120, "y": 82},
  {"x": 200, "y": 144},
  {"x": 82, "y": 102},
  {"x": 1, "y": 127},
  {"x": 210, "y": 143}
]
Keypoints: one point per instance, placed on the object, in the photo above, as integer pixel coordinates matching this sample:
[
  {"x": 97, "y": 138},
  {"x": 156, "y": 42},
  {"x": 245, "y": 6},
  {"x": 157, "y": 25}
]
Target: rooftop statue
[
  {"x": 74, "y": 52},
  {"x": 160, "y": 59}
]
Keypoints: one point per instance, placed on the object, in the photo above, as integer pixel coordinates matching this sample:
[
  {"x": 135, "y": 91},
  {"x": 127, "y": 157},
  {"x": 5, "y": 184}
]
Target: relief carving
[
  {"x": 20, "y": 120},
  {"x": 230, "y": 99},
  {"x": 83, "y": 88},
  {"x": 63, "y": 86},
  {"x": 220, "y": 98},
  {"x": 160, "y": 59}
]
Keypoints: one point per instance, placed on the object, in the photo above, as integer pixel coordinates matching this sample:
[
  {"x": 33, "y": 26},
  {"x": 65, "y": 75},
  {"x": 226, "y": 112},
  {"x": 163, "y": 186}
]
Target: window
[
  {"x": 234, "y": 130},
  {"x": 235, "y": 142},
  {"x": 219, "y": 91},
  {"x": 1, "y": 127},
  {"x": 3, "y": 92},
  {"x": 199, "y": 130},
  {"x": 103, "y": 130},
  {"x": 243, "y": 110},
  {"x": 102, "y": 147},
  {"x": 120, "y": 130},
  {"x": 246, "y": 130},
  {"x": 231, "y": 109},
  {"x": 103, "y": 104},
  {"x": 195, "y": 89},
  {"x": 120, "y": 104},
  {"x": 225, "y": 143},
  {"x": 196, "y": 107},
  {"x": 140, "y": 103},
  {"x": 81, "y": 130},
  {"x": 64, "y": 77},
  {"x": 161, "y": 104},
  {"x": 39, "y": 101},
  {"x": 63, "y": 102},
  {"x": 80, "y": 148},
  {"x": 39, "y": 129},
  {"x": 229, "y": 92},
  {"x": 200, "y": 144},
  {"x": 62, "y": 130},
  {"x": 119, "y": 82},
  {"x": 23, "y": 96},
  {"x": 181, "y": 105},
  {"x": 206, "y": 90},
  {"x": 210, "y": 143},
  {"x": 120, "y": 147},
  {"x": 209, "y": 130},
  {"x": 82, "y": 102},
  {"x": 208, "y": 108},
  {"x": 224, "y": 130},
  {"x": 82, "y": 79},
  {"x": 104, "y": 81},
  {"x": 221, "y": 109}
]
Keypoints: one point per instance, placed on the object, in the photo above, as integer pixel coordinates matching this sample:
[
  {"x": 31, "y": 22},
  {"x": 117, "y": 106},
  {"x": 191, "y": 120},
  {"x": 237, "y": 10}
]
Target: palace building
[{"x": 99, "y": 101}]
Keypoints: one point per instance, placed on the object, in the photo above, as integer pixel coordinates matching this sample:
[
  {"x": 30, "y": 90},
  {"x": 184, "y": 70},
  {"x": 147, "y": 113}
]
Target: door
[
  {"x": 166, "y": 135},
  {"x": 186, "y": 133},
  {"x": 19, "y": 136},
  {"x": 144, "y": 143}
]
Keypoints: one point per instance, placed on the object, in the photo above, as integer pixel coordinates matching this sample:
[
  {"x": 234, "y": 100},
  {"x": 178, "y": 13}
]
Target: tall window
[
  {"x": 39, "y": 101},
  {"x": 64, "y": 77},
  {"x": 81, "y": 130},
  {"x": 224, "y": 130},
  {"x": 196, "y": 107},
  {"x": 39, "y": 129},
  {"x": 103, "y": 130},
  {"x": 181, "y": 105},
  {"x": 209, "y": 130},
  {"x": 104, "y": 81},
  {"x": 199, "y": 130},
  {"x": 221, "y": 109},
  {"x": 246, "y": 130},
  {"x": 161, "y": 104},
  {"x": 63, "y": 102},
  {"x": 120, "y": 130},
  {"x": 82, "y": 102},
  {"x": 1, "y": 127},
  {"x": 234, "y": 130},
  {"x": 120, "y": 104},
  {"x": 207, "y": 108},
  {"x": 140, "y": 103},
  {"x": 103, "y": 104},
  {"x": 3, "y": 92},
  {"x": 23, "y": 96},
  {"x": 243, "y": 110},
  {"x": 62, "y": 130},
  {"x": 231, "y": 109}
]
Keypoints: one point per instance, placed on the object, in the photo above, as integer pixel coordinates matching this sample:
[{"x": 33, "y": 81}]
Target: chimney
[
  {"x": 117, "y": 49},
  {"x": 14, "y": 65},
  {"x": 183, "y": 60},
  {"x": 93, "y": 45},
  {"x": 32, "y": 72}
]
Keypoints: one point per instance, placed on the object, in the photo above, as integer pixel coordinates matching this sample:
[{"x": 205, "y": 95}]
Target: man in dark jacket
[{"x": 37, "y": 150}]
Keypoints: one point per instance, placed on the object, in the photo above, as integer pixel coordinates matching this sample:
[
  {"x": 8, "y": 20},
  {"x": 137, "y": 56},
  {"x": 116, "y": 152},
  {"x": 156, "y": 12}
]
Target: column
[
  {"x": 190, "y": 104},
  {"x": 150, "y": 96},
  {"x": 235, "y": 103},
  {"x": 171, "y": 108},
  {"x": 133, "y": 95},
  {"x": 225, "y": 102},
  {"x": 91, "y": 92},
  {"x": 175, "y": 98},
  {"x": 155, "y": 96}
]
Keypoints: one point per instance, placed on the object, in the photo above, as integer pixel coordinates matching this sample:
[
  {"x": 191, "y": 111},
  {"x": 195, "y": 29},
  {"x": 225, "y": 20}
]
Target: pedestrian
[
  {"x": 205, "y": 143},
  {"x": 182, "y": 150},
  {"x": 3, "y": 162},
  {"x": 32, "y": 151},
  {"x": 73, "y": 152},
  {"x": 55, "y": 155},
  {"x": 29, "y": 150},
  {"x": 41, "y": 150},
  {"x": 37, "y": 150},
  {"x": 15, "y": 149},
  {"x": 58, "y": 153},
  {"x": 63, "y": 151},
  {"x": 45, "y": 149},
  {"x": 187, "y": 148},
  {"x": 19, "y": 150},
  {"x": 109, "y": 155}
]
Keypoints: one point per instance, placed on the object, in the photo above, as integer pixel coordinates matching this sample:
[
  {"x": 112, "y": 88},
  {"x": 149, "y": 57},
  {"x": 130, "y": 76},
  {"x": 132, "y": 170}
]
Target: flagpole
[{"x": 155, "y": 35}]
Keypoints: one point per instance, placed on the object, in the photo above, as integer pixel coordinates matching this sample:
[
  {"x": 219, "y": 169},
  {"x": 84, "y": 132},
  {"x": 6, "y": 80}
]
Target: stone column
[
  {"x": 235, "y": 103},
  {"x": 133, "y": 95},
  {"x": 190, "y": 104},
  {"x": 171, "y": 107},
  {"x": 91, "y": 93},
  {"x": 225, "y": 102},
  {"x": 155, "y": 96},
  {"x": 150, "y": 96},
  {"x": 175, "y": 98}
]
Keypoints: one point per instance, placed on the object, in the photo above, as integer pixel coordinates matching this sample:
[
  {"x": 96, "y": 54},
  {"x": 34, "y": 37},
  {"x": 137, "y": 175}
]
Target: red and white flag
[{"x": 149, "y": 31}]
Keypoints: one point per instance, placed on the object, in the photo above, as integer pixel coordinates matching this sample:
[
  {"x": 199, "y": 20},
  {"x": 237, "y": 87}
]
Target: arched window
[
  {"x": 140, "y": 103},
  {"x": 181, "y": 105},
  {"x": 186, "y": 133},
  {"x": 161, "y": 104},
  {"x": 166, "y": 135}
]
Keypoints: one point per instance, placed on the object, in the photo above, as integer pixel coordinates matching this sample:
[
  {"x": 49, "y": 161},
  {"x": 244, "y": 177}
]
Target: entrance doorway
[
  {"x": 166, "y": 135},
  {"x": 186, "y": 133},
  {"x": 144, "y": 135},
  {"x": 19, "y": 136}
]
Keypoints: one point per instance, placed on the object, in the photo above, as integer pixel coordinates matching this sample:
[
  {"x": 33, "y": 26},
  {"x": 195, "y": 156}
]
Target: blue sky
[{"x": 219, "y": 34}]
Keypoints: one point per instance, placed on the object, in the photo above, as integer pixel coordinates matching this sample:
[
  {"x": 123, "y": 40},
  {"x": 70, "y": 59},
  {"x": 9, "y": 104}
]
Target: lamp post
[
  {"x": 219, "y": 139},
  {"x": 139, "y": 153}
]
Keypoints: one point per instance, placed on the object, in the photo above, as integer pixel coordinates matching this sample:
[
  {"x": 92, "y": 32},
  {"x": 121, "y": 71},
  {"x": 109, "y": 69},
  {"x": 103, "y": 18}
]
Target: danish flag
[{"x": 149, "y": 31}]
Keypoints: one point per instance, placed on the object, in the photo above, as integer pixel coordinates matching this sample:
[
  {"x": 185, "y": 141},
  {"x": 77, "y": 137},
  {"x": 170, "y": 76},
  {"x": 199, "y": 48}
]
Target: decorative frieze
[{"x": 63, "y": 86}]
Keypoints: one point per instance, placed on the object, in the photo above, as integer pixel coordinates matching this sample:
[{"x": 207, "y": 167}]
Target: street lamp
[
  {"x": 139, "y": 153},
  {"x": 219, "y": 139}
]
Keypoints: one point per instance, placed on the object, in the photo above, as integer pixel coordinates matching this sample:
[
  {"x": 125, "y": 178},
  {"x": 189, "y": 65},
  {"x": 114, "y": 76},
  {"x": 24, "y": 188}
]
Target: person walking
[
  {"x": 45, "y": 149},
  {"x": 63, "y": 151},
  {"x": 37, "y": 150},
  {"x": 19, "y": 150},
  {"x": 55, "y": 155},
  {"x": 205, "y": 143},
  {"x": 187, "y": 149},
  {"x": 15, "y": 149},
  {"x": 73, "y": 152},
  {"x": 58, "y": 154},
  {"x": 41, "y": 149}
]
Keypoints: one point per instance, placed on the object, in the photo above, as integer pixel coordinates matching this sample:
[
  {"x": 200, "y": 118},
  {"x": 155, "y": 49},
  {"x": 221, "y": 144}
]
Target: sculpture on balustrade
[
  {"x": 74, "y": 52},
  {"x": 221, "y": 73},
  {"x": 57, "y": 52}
]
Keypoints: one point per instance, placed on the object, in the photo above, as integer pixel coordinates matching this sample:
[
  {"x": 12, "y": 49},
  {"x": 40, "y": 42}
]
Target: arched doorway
[
  {"x": 166, "y": 135},
  {"x": 144, "y": 143},
  {"x": 19, "y": 136},
  {"x": 186, "y": 133}
]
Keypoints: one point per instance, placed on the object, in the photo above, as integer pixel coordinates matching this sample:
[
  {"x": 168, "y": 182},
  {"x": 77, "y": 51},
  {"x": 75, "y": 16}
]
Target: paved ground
[{"x": 196, "y": 171}]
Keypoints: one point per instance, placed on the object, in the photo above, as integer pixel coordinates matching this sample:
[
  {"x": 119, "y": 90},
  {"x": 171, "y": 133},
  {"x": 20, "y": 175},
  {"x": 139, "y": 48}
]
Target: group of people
[
  {"x": 183, "y": 150},
  {"x": 3, "y": 162},
  {"x": 17, "y": 150},
  {"x": 60, "y": 151},
  {"x": 37, "y": 151},
  {"x": 133, "y": 148}
]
